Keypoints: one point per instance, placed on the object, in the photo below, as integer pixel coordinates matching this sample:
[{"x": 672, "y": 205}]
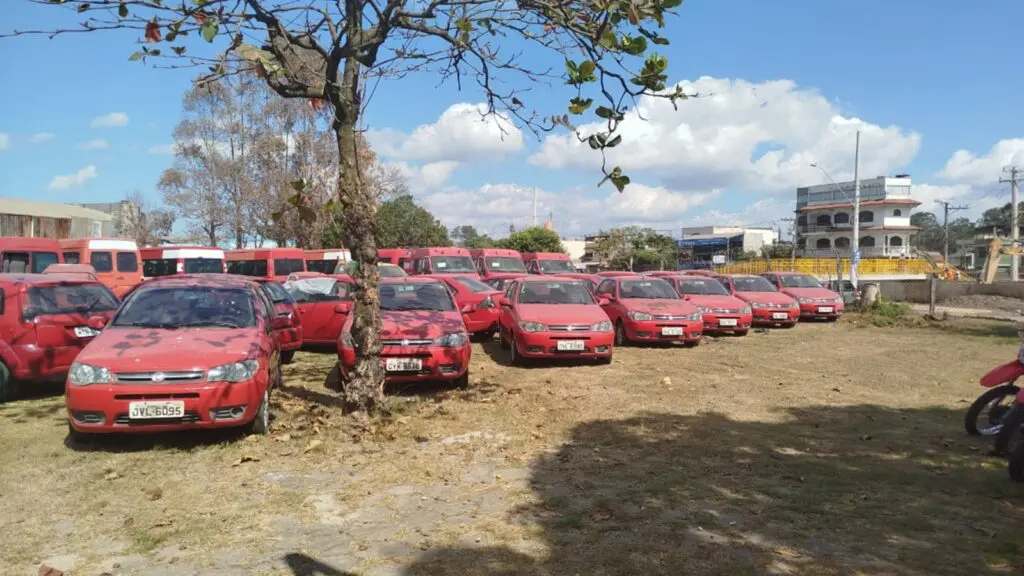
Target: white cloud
[
  {"x": 5, "y": 141},
  {"x": 40, "y": 137},
  {"x": 112, "y": 120},
  {"x": 742, "y": 135},
  {"x": 428, "y": 176},
  {"x": 61, "y": 183},
  {"x": 968, "y": 168},
  {"x": 98, "y": 144},
  {"x": 162, "y": 150},
  {"x": 462, "y": 133}
]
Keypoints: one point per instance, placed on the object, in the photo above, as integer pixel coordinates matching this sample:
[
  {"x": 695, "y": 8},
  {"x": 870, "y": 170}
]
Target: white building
[
  {"x": 701, "y": 245},
  {"x": 824, "y": 221}
]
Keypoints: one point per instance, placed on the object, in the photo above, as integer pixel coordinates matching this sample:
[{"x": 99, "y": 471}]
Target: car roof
[
  {"x": 45, "y": 279},
  {"x": 548, "y": 278},
  {"x": 204, "y": 280},
  {"x": 411, "y": 280}
]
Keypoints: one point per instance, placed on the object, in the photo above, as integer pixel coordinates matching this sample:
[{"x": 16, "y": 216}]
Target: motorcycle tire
[
  {"x": 1016, "y": 465},
  {"x": 1011, "y": 436},
  {"x": 971, "y": 418}
]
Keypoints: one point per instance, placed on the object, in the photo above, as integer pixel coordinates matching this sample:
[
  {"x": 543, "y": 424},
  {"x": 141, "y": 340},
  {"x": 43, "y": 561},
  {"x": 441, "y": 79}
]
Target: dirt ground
[
  {"x": 986, "y": 302},
  {"x": 825, "y": 449}
]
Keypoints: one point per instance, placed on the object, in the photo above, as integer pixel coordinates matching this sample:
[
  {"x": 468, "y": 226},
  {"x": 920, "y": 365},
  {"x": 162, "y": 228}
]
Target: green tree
[
  {"x": 468, "y": 237},
  {"x": 401, "y": 223},
  {"x": 637, "y": 248},
  {"x": 932, "y": 235},
  {"x": 998, "y": 219},
  {"x": 324, "y": 52},
  {"x": 535, "y": 239}
]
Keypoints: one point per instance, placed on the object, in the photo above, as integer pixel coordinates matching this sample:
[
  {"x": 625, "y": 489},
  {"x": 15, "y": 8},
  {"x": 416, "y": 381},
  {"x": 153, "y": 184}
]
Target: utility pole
[
  {"x": 1013, "y": 181},
  {"x": 856, "y": 214},
  {"x": 946, "y": 209}
]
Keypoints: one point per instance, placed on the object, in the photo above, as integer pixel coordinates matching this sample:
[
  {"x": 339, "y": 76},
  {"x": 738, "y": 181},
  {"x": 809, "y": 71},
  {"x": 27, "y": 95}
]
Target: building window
[
  {"x": 823, "y": 220},
  {"x": 801, "y": 220},
  {"x": 895, "y": 241},
  {"x": 842, "y": 218},
  {"x": 867, "y": 242},
  {"x": 823, "y": 243},
  {"x": 897, "y": 212},
  {"x": 97, "y": 230},
  {"x": 867, "y": 216},
  {"x": 842, "y": 242}
]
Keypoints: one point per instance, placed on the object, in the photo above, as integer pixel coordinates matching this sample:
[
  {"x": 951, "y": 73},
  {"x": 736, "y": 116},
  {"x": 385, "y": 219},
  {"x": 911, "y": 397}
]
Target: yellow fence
[{"x": 827, "y": 267}]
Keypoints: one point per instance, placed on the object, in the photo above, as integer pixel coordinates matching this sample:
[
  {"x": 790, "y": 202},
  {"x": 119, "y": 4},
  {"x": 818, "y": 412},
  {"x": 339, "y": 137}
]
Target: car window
[
  {"x": 708, "y": 286},
  {"x": 102, "y": 261},
  {"x": 127, "y": 262},
  {"x": 510, "y": 290},
  {"x": 344, "y": 290},
  {"x": 322, "y": 289},
  {"x": 753, "y": 284},
  {"x": 266, "y": 306},
  {"x": 286, "y": 266},
  {"x": 72, "y": 258},
  {"x": 555, "y": 292},
  {"x": 3, "y": 297},
  {"x": 654, "y": 288},
  {"x": 473, "y": 284},
  {"x": 157, "y": 268},
  {"x": 40, "y": 260},
  {"x": 800, "y": 281},
  {"x": 203, "y": 266},
  {"x": 449, "y": 264},
  {"x": 69, "y": 298},
  {"x": 607, "y": 288},
  {"x": 187, "y": 306},
  {"x": 391, "y": 272},
  {"x": 15, "y": 262},
  {"x": 416, "y": 296},
  {"x": 504, "y": 264},
  {"x": 555, "y": 266},
  {"x": 277, "y": 293}
]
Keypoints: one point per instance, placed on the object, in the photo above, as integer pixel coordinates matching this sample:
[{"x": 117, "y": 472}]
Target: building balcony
[{"x": 865, "y": 252}]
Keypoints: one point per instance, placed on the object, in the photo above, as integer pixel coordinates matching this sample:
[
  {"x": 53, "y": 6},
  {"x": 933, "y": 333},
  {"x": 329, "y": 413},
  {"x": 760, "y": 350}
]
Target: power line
[{"x": 946, "y": 209}]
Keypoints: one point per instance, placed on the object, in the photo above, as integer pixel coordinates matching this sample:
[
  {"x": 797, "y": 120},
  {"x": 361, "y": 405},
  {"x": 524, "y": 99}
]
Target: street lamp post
[{"x": 855, "y": 259}]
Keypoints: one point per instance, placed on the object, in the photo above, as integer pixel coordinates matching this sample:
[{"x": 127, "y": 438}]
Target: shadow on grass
[
  {"x": 143, "y": 441},
  {"x": 302, "y": 565},
  {"x": 976, "y": 327},
  {"x": 859, "y": 489},
  {"x": 500, "y": 356}
]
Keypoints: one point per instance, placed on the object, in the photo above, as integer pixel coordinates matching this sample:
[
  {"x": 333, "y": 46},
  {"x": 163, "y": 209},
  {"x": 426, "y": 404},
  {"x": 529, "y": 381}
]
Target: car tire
[
  {"x": 261, "y": 423},
  {"x": 605, "y": 361},
  {"x": 974, "y": 412},
  {"x": 1016, "y": 464},
  {"x": 334, "y": 381},
  {"x": 742, "y": 332},
  {"x": 287, "y": 357},
  {"x": 1011, "y": 436},
  {"x": 691, "y": 344},
  {"x": 462, "y": 382},
  {"x": 76, "y": 436},
  {"x": 620, "y": 334},
  {"x": 8, "y": 388},
  {"x": 513, "y": 354},
  {"x": 833, "y": 318},
  {"x": 502, "y": 341}
]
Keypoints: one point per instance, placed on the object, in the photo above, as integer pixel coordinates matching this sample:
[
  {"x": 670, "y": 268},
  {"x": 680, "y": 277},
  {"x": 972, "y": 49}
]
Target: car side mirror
[
  {"x": 686, "y": 296},
  {"x": 604, "y": 300},
  {"x": 279, "y": 322},
  {"x": 343, "y": 308},
  {"x": 501, "y": 301},
  {"x": 97, "y": 322},
  {"x": 468, "y": 308}
]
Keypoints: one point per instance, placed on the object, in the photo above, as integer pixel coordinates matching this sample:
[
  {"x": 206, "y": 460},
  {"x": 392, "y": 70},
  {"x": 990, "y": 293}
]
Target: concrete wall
[{"x": 917, "y": 290}]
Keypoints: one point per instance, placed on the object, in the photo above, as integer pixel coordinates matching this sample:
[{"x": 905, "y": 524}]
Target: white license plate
[
  {"x": 825, "y": 309},
  {"x": 150, "y": 410},
  {"x": 570, "y": 345},
  {"x": 727, "y": 322},
  {"x": 85, "y": 332},
  {"x": 403, "y": 364},
  {"x": 671, "y": 331},
  {"x": 780, "y": 316}
]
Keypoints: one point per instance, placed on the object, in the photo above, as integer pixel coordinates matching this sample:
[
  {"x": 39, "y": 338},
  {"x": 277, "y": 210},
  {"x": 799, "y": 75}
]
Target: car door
[
  {"x": 270, "y": 347},
  {"x": 773, "y": 279},
  {"x": 507, "y": 317},
  {"x": 608, "y": 288},
  {"x": 328, "y": 317}
]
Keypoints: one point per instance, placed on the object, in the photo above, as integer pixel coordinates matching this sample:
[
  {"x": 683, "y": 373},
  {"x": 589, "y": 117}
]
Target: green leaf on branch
[
  {"x": 122, "y": 11},
  {"x": 620, "y": 182},
  {"x": 83, "y": 7},
  {"x": 135, "y": 57},
  {"x": 604, "y": 112},
  {"x": 587, "y": 68},
  {"x": 579, "y": 105},
  {"x": 633, "y": 46},
  {"x": 597, "y": 141},
  {"x": 670, "y": 4},
  {"x": 179, "y": 50},
  {"x": 614, "y": 141},
  {"x": 209, "y": 30},
  {"x": 297, "y": 185}
]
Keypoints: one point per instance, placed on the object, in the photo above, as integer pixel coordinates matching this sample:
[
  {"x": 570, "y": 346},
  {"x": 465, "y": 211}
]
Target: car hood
[
  {"x": 146, "y": 349},
  {"x": 560, "y": 314},
  {"x": 419, "y": 324},
  {"x": 765, "y": 297},
  {"x": 716, "y": 301},
  {"x": 810, "y": 292},
  {"x": 659, "y": 305},
  {"x": 492, "y": 275}
]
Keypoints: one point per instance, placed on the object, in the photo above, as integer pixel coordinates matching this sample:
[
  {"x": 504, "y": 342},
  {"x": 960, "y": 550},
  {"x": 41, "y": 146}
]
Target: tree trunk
[{"x": 365, "y": 390}]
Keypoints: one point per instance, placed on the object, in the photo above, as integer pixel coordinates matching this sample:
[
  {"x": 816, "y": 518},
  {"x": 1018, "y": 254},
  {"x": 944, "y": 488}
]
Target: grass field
[{"x": 825, "y": 449}]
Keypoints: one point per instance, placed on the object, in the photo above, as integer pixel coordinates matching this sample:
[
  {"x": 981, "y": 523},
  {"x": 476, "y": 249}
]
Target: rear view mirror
[
  {"x": 97, "y": 322},
  {"x": 343, "y": 307},
  {"x": 500, "y": 300},
  {"x": 604, "y": 301},
  {"x": 467, "y": 309},
  {"x": 686, "y": 296},
  {"x": 279, "y": 322}
]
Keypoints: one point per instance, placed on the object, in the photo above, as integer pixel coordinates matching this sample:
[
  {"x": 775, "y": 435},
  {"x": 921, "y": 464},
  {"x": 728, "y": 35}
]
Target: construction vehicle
[{"x": 996, "y": 250}]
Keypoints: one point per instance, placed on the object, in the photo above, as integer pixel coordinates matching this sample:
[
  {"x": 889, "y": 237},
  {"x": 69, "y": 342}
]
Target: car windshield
[
  {"x": 415, "y": 296},
  {"x": 277, "y": 293},
  {"x": 752, "y": 284},
  {"x": 70, "y": 298},
  {"x": 204, "y": 266},
  {"x": 321, "y": 289},
  {"x": 800, "y": 281},
  {"x": 556, "y": 292},
  {"x": 555, "y": 266},
  {"x": 497, "y": 283},
  {"x": 653, "y": 288},
  {"x": 391, "y": 272},
  {"x": 505, "y": 264},
  {"x": 703, "y": 286},
  {"x": 473, "y": 284},
  {"x": 450, "y": 264},
  {"x": 286, "y": 266},
  {"x": 187, "y": 306}
]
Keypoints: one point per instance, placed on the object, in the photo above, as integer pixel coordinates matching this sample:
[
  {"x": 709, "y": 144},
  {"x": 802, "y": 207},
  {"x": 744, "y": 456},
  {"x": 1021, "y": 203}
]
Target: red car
[
  {"x": 550, "y": 317},
  {"x": 501, "y": 283},
  {"x": 469, "y": 291},
  {"x": 616, "y": 273},
  {"x": 770, "y": 307},
  {"x": 816, "y": 301},
  {"x": 423, "y": 334},
  {"x": 80, "y": 271},
  {"x": 721, "y": 312},
  {"x": 44, "y": 323},
  {"x": 647, "y": 309},
  {"x": 289, "y": 336},
  {"x": 324, "y": 303},
  {"x": 497, "y": 262},
  {"x": 182, "y": 352}
]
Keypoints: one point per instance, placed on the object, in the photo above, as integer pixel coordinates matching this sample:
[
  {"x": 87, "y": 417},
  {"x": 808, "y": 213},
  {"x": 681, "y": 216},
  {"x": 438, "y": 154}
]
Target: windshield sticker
[{"x": 442, "y": 264}]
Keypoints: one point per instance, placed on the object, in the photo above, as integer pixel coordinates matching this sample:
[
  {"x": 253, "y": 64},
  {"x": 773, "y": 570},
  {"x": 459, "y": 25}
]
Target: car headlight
[
  {"x": 529, "y": 326},
  {"x": 839, "y": 300},
  {"x": 453, "y": 340},
  {"x": 488, "y": 302},
  {"x": 704, "y": 309},
  {"x": 85, "y": 374},
  {"x": 639, "y": 316},
  {"x": 745, "y": 310},
  {"x": 757, "y": 305},
  {"x": 234, "y": 372},
  {"x": 696, "y": 316},
  {"x": 792, "y": 305},
  {"x": 802, "y": 300},
  {"x": 604, "y": 326},
  {"x": 347, "y": 341}
]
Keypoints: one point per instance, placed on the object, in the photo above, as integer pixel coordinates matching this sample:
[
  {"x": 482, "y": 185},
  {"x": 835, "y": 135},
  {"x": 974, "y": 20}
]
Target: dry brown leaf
[{"x": 313, "y": 445}]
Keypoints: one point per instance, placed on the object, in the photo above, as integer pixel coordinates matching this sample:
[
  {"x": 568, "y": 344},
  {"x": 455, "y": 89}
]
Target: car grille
[
  {"x": 188, "y": 418},
  {"x": 410, "y": 342},
  {"x": 821, "y": 300},
  {"x": 771, "y": 305},
  {"x": 725, "y": 311},
  {"x": 164, "y": 377},
  {"x": 570, "y": 328},
  {"x": 671, "y": 316}
]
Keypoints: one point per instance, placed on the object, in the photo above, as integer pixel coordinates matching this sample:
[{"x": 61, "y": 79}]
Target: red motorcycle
[{"x": 999, "y": 412}]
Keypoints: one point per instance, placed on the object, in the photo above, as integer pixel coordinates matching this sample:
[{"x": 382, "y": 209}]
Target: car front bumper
[
  {"x": 767, "y": 316},
  {"x": 436, "y": 363},
  {"x": 546, "y": 344},
  {"x": 739, "y": 322},
  {"x": 664, "y": 330},
  {"x": 809, "y": 311}
]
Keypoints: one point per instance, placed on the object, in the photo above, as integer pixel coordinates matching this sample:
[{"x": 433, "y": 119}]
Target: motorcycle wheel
[
  {"x": 1016, "y": 465},
  {"x": 991, "y": 400},
  {"x": 1011, "y": 436}
]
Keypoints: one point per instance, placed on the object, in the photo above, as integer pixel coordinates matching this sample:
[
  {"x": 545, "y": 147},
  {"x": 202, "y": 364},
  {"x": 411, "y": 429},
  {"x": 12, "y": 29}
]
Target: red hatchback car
[
  {"x": 289, "y": 336},
  {"x": 551, "y": 317},
  {"x": 770, "y": 307},
  {"x": 422, "y": 333},
  {"x": 324, "y": 303},
  {"x": 469, "y": 291},
  {"x": 45, "y": 321},
  {"x": 816, "y": 301},
  {"x": 182, "y": 352},
  {"x": 649, "y": 310},
  {"x": 721, "y": 311}
]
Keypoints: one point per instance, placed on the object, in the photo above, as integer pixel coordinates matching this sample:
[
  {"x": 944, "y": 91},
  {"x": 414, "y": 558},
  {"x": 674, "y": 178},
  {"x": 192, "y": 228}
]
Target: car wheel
[
  {"x": 287, "y": 357},
  {"x": 462, "y": 382},
  {"x": 1012, "y": 434},
  {"x": 76, "y": 436},
  {"x": 8, "y": 389},
  {"x": 261, "y": 423},
  {"x": 334, "y": 380},
  {"x": 502, "y": 341},
  {"x": 691, "y": 344},
  {"x": 606, "y": 360},
  {"x": 742, "y": 332},
  {"x": 620, "y": 334},
  {"x": 988, "y": 411},
  {"x": 513, "y": 354}
]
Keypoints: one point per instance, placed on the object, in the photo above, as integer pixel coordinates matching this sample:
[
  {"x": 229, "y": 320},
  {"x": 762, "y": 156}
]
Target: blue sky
[{"x": 929, "y": 79}]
